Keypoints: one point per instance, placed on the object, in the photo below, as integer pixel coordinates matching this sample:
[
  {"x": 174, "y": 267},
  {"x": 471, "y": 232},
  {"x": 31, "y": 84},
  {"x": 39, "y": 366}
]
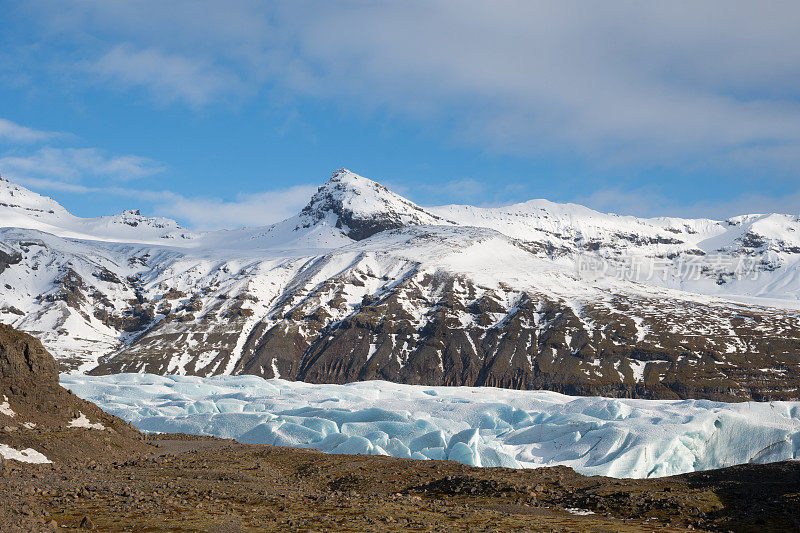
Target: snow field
[{"x": 478, "y": 426}]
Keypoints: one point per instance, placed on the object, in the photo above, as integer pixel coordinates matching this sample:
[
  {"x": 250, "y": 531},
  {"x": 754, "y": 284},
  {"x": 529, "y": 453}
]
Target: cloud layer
[
  {"x": 73, "y": 164},
  {"x": 90, "y": 171},
  {"x": 168, "y": 77},
  {"x": 258, "y": 209},
  {"x": 644, "y": 83},
  {"x": 705, "y": 89},
  {"x": 13, "y": 133}
]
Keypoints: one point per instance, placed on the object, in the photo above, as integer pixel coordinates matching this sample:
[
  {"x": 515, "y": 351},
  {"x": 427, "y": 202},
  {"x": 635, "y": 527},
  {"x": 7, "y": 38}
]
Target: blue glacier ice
[{"x": 478, "y": 426}]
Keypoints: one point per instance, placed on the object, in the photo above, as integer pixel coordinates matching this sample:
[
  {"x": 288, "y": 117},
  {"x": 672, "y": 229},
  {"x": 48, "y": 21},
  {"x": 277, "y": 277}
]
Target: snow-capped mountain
[
  {"x": 22, "y": 208},
  {"x": 364, "y": 284}
]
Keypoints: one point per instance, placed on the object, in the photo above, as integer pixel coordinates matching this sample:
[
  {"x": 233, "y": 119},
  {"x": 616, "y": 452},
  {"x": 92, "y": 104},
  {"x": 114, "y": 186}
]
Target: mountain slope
[{"x": 364, "y": 284}]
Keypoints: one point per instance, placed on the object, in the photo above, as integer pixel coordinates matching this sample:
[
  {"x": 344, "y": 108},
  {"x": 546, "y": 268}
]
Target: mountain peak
[
  {"x": 22, "y": 208},
  {"x": 350, "y": 184},
  {"x": 361, "y": 207},
  {"x": 19, "y": 201},
  {"x": 343, "y": 174}
]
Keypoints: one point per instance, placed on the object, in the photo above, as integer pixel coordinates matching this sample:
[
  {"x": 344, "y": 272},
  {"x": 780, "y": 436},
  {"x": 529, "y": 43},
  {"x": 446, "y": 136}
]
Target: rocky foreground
[
  {"x": 105, "y": 475},
  {"x": 36, "y": 413},
  {"x": 199, "y": 484}
]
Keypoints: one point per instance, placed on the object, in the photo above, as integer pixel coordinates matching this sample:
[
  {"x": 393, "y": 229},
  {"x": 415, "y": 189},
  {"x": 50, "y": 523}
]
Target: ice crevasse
[{"x": 478, "y": 426}]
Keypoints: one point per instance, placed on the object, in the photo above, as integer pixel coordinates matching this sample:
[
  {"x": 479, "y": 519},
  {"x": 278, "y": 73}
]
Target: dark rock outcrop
[
  {"x": 24, "y": 363},
  {"x": 445, "y": 330},
  {"x": 8, "y": 259},
  {"x": 40, "y": 412}
]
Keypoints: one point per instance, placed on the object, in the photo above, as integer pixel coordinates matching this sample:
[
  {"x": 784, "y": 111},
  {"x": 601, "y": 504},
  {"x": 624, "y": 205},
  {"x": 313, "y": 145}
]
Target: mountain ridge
[
  {"x": 364, "y": 284},
  {"x": 348, "y": 199},
  {"x": 344, "y": 196}
]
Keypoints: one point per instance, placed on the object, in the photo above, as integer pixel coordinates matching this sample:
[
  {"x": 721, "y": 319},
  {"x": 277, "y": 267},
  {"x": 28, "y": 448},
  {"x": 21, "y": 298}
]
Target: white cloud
[
  {"x": 14, "y": 133},
  {"x": 650, "y": 203},
  {"x": 73, "y": 164},
  {"x": 44, "y": 184},
  {"x": 255, "y": 209},
  {"x": 622, "y": 83},
  {"x": 169, "y": 77},
  {"x": 200, "y": 213}
]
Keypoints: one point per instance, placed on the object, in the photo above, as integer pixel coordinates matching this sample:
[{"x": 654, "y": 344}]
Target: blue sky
[{"x": 227, "y": 114}]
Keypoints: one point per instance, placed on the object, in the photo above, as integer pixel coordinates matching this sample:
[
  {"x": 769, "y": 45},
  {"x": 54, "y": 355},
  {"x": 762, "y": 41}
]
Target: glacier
[{"x": 479, "y": 426}]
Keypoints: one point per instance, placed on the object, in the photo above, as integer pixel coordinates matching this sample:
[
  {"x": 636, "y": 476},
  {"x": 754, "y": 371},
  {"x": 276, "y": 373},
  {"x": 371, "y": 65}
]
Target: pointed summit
[{"x": 361, "y": 207}]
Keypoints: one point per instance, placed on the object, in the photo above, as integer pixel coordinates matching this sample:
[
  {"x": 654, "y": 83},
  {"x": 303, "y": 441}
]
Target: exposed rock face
[
  {"x": 534, "y": 343},
  {"x": 40, "y": 415},
  {"x": 24, "y": 360},
  {"x": 361, "y": 208},
  {"x": 7, "y": 259},
  {"x": 446, "y": 330}
]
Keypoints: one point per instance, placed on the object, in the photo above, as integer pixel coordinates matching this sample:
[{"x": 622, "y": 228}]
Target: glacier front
[{"x": 478, "y": 426}]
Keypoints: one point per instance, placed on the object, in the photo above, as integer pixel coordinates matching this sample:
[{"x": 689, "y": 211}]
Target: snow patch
[
  {"x": 637, "y": 367},
  {"x": 5, "y": 408},
  {"x": 28, "y": 455},
  {"x": 83, "y": 422},
  {"x": 579, "y": 512}
]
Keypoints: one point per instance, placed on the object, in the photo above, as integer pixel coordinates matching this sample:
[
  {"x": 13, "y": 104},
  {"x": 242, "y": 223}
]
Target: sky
[{"x": 223, "y": 114}]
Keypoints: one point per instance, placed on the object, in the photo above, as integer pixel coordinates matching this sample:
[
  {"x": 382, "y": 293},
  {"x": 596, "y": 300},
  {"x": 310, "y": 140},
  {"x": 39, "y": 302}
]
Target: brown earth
[{"x": 204, "y": 484}]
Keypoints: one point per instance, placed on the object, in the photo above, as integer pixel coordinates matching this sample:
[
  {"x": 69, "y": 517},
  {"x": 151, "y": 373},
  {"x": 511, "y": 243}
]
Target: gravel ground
[{"x": 203, "y": 484}]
